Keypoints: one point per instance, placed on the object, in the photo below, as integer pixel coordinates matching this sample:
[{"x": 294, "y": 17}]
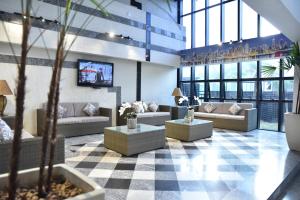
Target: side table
[{"x": 178, "y": 112}]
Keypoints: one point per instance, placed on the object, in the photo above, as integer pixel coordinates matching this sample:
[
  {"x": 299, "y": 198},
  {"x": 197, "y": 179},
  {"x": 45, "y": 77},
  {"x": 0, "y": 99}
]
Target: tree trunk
[
  {"x": 20, "y": 98},
  {"x": 53, "y": 136},
  {"x": 51, "y": 98}
]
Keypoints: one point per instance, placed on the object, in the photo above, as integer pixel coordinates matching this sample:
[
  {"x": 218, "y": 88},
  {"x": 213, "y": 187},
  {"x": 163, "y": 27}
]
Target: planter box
[
  {"x": 29, "y": 178},
  {"x": 292, "y": 129}
]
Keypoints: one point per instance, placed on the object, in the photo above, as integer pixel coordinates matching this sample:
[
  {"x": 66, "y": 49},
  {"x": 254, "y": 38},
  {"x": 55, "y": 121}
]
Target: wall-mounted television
[{"x": 95, "y": 74}]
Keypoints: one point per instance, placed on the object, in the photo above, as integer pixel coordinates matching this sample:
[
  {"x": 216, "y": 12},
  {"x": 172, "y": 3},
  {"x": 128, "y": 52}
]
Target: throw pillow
[
  {"x": 153, "y": 107},
  {"x": 90, "y": 109},
  {"x": 234, "y": 109},
  {"x": 61, "y": 111},
  {"x": 6, "y": 133},
  {"x": 138, "y": 107},
  {"x": 145, "y": 106},
  {"x": 209, "y": 107}
]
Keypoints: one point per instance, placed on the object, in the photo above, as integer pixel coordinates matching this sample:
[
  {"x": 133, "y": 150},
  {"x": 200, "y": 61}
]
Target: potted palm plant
[{"x": 292, "y": 119}]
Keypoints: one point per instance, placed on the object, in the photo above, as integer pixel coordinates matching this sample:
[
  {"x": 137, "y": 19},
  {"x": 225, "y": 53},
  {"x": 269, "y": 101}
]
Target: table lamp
[
  {"x": 177, "y": 94},
  {"x": 4, "y": 90}
]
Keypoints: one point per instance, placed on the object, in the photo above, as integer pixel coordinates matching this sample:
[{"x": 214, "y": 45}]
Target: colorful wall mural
[{"x": 275, "y": 46}]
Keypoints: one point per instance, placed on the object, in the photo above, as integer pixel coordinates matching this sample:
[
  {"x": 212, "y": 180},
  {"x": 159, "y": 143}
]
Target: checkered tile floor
[{"x": 229, "y": 165}]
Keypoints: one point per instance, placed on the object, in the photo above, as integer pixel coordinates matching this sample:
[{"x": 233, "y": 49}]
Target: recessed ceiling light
[{"x": 111, "y": 35}]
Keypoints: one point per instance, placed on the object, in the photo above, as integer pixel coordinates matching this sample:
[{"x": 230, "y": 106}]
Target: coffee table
[
  {"x": 189, "y": 131},
  {"x": 133, "y": 141}
]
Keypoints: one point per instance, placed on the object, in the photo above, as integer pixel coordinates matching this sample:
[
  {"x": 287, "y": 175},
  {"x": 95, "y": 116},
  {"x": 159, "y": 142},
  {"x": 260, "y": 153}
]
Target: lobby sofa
[
  {"x": 75, "y": 122},
  {"x": 157, "y": 118},
  {"x": 245, "y": 120},
  {"x": 31, "y": 151}
]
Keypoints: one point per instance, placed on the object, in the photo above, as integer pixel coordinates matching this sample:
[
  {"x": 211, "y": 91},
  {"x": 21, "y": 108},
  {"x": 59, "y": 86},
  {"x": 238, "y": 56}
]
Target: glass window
[
  {"x": 186, "y": 89},
  {"x": 214, "y": 88},
  {"x": 270, "y": 90},
  {"x": 187, "y": 24},
  {"x": 249, "y": 22},
  {"x": 230, "y": 90},
  {"x": 288, "y": 89},
  {"x": 249, "y": 69},
  {"x": 213, "y": 2},
  {"x": 200, "y": 29},
  {"x": 275, "y": 63},
  {"x": 214, "y": 72},
  {"x": 231, "y": 21},
  {"x": 200, "y": 72},
  {"x": 266, "y": 28},
  {"x": 214, "y": 25},
  {"x": 199, "y": 4},
  {"x": 249, "y": 89},
  {"x": 186, "y": 6},
  {"x": 199, "y": 89},
  {"x": 186, "y": 73},
  {"x": 289, "y": 73},
  {"x": 269, "y": 116},
  {"x": 230, "y": 71}
]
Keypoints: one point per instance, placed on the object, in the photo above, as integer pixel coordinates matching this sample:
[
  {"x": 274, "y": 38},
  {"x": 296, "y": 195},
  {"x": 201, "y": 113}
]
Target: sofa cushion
[
  {"x": 6, "y": 133},
  {"x": 61, "y": 111},
  {"x": 210, "y": 107},
  {"x": 90, "y": 109},
  {"x": 234, "y": 109},
  {"x": 82, "y": 120},
  {"x": 152, "y": 114},
  {"x": 78, "y": 108},
  {"x": 152, "y": 107},
  {"x": 218, "y": 116},
  {"x": 223, "y": 107}
]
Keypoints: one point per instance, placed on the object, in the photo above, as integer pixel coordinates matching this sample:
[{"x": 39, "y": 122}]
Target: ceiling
[{"x": 283, "y": 14}]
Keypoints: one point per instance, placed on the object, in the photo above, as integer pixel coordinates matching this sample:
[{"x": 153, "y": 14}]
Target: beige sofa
[
  {"x": 152, "y": 118},
  {"x": 245, "y": 120},
  {"x": 75, "y": 122}
]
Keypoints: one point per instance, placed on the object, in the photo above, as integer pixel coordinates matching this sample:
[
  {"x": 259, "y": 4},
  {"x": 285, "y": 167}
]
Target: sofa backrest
[
  {"x": 223, "y": 107},
  {"x": 74, "y": 109},
  {"x": 78, "y": 108}
]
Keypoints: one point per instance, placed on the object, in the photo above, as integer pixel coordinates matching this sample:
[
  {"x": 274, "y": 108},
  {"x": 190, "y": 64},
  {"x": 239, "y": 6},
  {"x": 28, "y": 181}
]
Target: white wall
[
  {"x": 158, "y": 78},
  {"x": 158, "y": 83}
]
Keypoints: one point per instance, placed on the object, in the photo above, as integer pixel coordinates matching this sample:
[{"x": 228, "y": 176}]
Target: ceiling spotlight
[
  {"x": 42, "y": 19},
  {"x": 241, "y": 40},
  {"x": 24, "y": 16},
  {"x": 230, "y": 42},
  {"x": 111, "y": 35}
]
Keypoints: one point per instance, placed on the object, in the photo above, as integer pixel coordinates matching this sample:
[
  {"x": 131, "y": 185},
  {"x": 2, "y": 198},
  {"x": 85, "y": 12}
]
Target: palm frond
[{"x": 268, "y": 71}]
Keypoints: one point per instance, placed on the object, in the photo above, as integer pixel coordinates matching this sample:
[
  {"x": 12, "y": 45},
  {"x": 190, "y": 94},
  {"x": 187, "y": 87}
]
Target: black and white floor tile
[{"x": 229, "y": 166}]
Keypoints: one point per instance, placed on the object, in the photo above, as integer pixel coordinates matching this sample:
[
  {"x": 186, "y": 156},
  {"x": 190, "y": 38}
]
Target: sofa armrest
[
  {"x": 164, "y": 108},
  {"x": 107, "y": 112},
  {"x": 40, "y": 116},
  {"x": 251, "y": 118}
]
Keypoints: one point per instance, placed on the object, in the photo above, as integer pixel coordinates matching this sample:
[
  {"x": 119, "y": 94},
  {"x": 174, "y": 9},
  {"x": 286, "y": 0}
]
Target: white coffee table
[
  {"x": 195, "y": 130},
  {"x": 133, "y": 141}
]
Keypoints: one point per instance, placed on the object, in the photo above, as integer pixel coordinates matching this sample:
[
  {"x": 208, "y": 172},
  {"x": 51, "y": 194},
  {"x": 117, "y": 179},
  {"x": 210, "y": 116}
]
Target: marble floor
[{"x": 229, "y": 165}]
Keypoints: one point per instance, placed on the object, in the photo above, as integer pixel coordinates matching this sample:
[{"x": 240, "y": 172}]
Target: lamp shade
[
  {"x": 177, "y": 92},
  {"x": 4, "y": 88}
]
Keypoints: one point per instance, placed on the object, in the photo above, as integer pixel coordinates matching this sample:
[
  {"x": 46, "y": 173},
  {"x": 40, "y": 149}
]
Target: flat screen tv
[{"x": 95, "y": 74}]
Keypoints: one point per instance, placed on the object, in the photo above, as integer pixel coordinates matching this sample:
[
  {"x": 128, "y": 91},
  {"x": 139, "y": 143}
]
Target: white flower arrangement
[
  {"x": 124, "y": 107},
  {"x": 198, "y": 100}
]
